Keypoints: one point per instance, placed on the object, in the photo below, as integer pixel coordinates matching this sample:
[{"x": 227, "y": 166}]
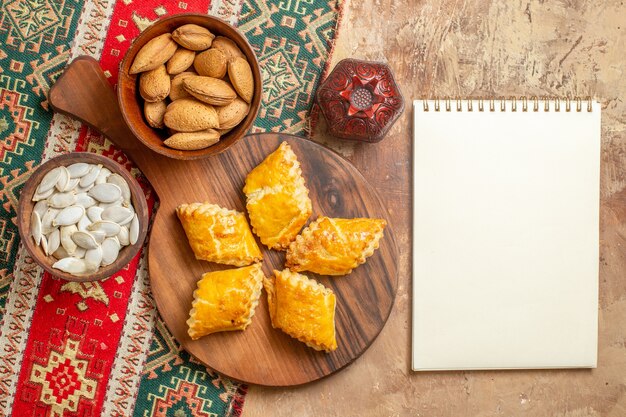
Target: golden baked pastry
[
  {"x": 225, "y": 300},
  {"x": 277, "y": 199},
  {"x": 218, "y": 235},
  {"x": 302, "y": 308},
  {"x": 335, "y": 246}
]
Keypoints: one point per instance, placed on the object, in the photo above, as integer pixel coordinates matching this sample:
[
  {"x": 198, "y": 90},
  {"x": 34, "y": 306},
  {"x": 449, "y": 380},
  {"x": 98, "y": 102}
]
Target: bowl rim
[
  {"x": 25, "y": 206},
  {"x": 124, "y": 78}
]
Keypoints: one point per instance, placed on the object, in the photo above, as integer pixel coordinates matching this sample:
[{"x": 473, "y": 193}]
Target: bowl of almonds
[
  {"x": 82, "y": 216},
  {"x": 189, "y": 86}
]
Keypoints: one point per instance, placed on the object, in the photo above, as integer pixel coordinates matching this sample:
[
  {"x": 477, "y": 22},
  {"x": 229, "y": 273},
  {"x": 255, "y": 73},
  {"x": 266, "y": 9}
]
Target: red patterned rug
[{"x": 89, "y": 349}]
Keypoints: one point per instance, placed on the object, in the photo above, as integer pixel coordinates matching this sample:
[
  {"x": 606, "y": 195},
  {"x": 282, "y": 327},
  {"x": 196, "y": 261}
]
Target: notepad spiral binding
[{"x": 510, "y": 103}]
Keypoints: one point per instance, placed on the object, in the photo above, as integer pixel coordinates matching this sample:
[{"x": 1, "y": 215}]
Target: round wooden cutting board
[{"x": 260, "y": 354}]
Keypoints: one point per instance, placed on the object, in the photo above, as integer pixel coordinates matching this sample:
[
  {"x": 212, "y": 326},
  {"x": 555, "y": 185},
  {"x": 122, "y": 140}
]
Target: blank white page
[{"x": 505, "y": 237}]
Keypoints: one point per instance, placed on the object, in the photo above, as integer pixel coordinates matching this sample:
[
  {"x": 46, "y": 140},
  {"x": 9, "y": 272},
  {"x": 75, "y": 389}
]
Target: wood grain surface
[
  {"x": 480, "y": 48},
  {"x": 259, "y": 355}
]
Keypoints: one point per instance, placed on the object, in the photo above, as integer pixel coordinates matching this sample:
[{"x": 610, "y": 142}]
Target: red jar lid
[{"x": 360, "y": 100}]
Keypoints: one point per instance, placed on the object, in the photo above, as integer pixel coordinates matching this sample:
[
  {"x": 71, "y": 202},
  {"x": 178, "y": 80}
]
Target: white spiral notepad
[{"x": 505, "y": 234}]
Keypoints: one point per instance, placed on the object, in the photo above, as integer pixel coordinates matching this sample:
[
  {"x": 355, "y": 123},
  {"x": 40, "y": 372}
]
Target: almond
[
  {"x": 154, "y": 85},
  {"x": 154, "y": 53},
  {"x": 193, "y": 37},
  {"x": 232, "y": 114},
  {"x": 210, "y": 90},
  {"x": 177, "y": 91},
  {"x": 190, "y": 115},
  {"x": 194, "y": 140},
  {"x": 154, "y": 113},
  {"x": 240, "y": 75},
  {"x": 211, "y": 63},
  {"x": 180, "y": 61},
  {"x": 228, "y": 47}
]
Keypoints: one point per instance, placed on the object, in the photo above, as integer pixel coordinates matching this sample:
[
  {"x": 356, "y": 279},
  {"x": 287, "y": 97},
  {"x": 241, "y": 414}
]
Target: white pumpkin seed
[
  {"x": 71, "y": 265},
  {"x": 48, "y": 219},
  {"x": 41, "y": 207},
  {"x": 108, "y": 227},
  {"x": 84, "y": 240},
  {"x": 85, "y": 200},
  {"x": 69, "y": 215},
  {"x": 80, "y": 252},
  {"x": 60, "y": 253},
  {"x": 80, "y": 189},
  {"x": 123, "y": 236},
  {"x": 79, "y": 169},
  {"x": 106, "y": 192},
  {"x": 134, "y": 230},
  {"x": 110, "y": 250},
  {"x": 49, "y": 180},
  {"x": 35, "y": 227},
  {"x": 118, "y": 214},
  {"x": 66, "y": 239},
  {"x": 62, "y": 200},
  {"x": 63, "y": 180},
  {"x": 99, "y": 235},
  {"x": 83, "y": 223},
  {"x": 54, "y": 241},
  {"x": 93, "y": 258},
  {"x": 44, "y": 245},
  {"x": 91, "y": 176},
  {"x": 71, "y": 184},
  {"x": 94, "y": 213},
  {"x": 119, "y": 202},
  {"x": 43, "y": 195},
  {"x": 118, "y": 180},
  {"x": 103, "y": 175}
]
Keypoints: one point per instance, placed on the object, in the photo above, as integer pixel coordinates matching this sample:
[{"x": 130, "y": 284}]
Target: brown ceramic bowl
[
  {"x": 26, "y": 205},
  {"x": 131, "y": 102}
]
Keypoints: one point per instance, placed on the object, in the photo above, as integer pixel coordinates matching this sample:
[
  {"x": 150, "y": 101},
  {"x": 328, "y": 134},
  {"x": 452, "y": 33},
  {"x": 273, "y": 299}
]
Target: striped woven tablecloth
[{"x": 90, "y": 349}]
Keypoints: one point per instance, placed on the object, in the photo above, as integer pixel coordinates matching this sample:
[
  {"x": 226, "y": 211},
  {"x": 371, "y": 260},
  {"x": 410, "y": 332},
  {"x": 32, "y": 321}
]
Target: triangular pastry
[
  {"x": 335, "y": 246},
  {"x": 302, "y": 308},
  {"x": 225, "y": 300},
  {"x": 277, "y": 199},
  {"x": 219, "y": 235}
]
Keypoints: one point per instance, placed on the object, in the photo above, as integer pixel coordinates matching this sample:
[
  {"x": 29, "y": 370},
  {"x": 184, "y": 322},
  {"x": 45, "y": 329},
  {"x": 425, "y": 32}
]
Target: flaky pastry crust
[
  {"x": 218, "y": 235},
  {"x": 225, "y": 300},
  {"x": 278, "y": 201},
  {"x": 302, "y": 308},
  {"x": 331, "y": 246}
]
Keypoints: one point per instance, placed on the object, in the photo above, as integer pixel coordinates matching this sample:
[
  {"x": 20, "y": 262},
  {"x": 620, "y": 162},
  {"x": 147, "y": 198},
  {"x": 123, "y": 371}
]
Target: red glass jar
[{"x": 360, "y": 100}]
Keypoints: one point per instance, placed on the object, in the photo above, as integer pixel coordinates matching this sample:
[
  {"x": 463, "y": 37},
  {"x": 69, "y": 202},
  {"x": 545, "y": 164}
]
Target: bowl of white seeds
[{"x": 82, "y": 216}]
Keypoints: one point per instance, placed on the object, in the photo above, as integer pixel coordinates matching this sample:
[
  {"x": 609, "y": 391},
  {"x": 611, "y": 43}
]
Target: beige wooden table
[{"x": 481, "y": 48}]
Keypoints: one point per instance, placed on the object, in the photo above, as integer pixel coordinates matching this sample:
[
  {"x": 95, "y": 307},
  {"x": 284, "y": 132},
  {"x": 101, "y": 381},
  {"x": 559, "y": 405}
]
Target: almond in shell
[
  {"x": 180, "y": 61},
  {"x": 177, "y": 90},
  {"x": 193, "y": 140},
  {"x": 154, "y": 113},
  {"x": 211, "y": 63},
  {"x": 228, "y": 47},
  {"x": 154, "y": 53},
  {"x": 193, "y": 37},
  {"x": 232, "y": 114},
  {"x": 210, "y": 90},
  {"x": 240, "y": 75},
  {"x": 154, "y": 85},
  {"x": 190, "y": 115}
]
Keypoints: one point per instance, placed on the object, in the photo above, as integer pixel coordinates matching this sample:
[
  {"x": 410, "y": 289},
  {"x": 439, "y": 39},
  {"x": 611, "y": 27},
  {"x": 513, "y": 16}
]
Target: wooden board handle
[{"x": 83, "y": 92}]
